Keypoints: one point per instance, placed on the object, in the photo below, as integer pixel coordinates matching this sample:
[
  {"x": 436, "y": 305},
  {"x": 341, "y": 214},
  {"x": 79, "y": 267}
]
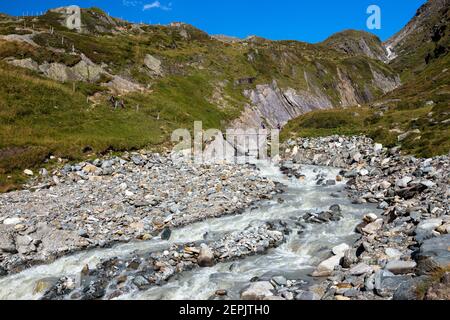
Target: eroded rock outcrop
[{"x": 273, "y": 106}]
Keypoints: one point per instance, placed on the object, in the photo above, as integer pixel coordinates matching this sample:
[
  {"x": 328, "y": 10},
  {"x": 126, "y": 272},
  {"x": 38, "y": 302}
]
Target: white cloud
[
  {"x": 131, "y": 3},
  {"x": 157, "y": 5}
]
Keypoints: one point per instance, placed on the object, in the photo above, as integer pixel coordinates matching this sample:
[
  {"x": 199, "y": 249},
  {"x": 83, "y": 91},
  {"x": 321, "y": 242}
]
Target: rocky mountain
[
  {"x": 419, "y": 53},
  {"x": 100, "y": 90},
  {"x": 414, "y": 115},
  {"x": 130, "y": 85},
  {"x": 165, "y": 76},
  {"x": 423, "y": 39},
  {"x": 353, "y": 42}
]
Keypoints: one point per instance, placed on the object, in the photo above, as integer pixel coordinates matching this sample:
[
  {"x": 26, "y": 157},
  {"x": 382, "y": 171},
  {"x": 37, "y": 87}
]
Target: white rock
[
  {"x": 370, "y": 217},
  {"x": 378, "y": 147},
  {"x": 357, "y": 157},
  {"x": 340, "y": 249},
  {"x": 11, "y": 221},
  {"x": 373, "y": 227},
  {"x": 326, "y": 268},
  {"x": 153, "y": 64},
  {"x": 430, "y": 224},
  {"x": 129, "y": 193},
  {"x": 28, "y": 172},
  {"x": 123, "y": 186},
  {"x": 385, "y": 185},
  {"x": 360, "y": 269},
  {"x": 401, "y": 267},
  {"x": 427, "y": 183},
  {"x": 393, "y": 254},
  {"x": 403, "y": 183},
  {"x": 258, "y": 291},
  {"x": 364, "y": 172}
]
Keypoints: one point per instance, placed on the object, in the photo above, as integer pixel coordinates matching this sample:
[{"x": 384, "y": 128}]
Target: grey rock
[
  {"x": 166, "y": 233},
  {"x": 434, "y": 255},
  {"x": 351, "y": 293},
  {"x": 83, "y": 233},
  {"x": 206, "y": 257},
  {"x": 360, "y": 269},
  {"x": 349, "y": 258},
  {"x": 336, "y": 208},
  {"x": 280, "y": 280},
  {"x": 387, "y": 286},
  {"x": 429, "y": 225},
  {"x": 403, "y": 183},
  {"x": 141, "y": 282},
  {"x": 7, "y": 241},
  {"x": 306, "y": 296},
  {"x": 401, "y": 267},
  {"x": 410, "y": 290},
  {"x": 258, "y": 291},
  {"x": 369, "y": 282}
]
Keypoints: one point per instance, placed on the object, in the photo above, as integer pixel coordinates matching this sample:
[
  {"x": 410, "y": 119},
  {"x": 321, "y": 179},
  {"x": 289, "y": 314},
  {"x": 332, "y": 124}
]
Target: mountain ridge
[{"x": 166, "y": 77}]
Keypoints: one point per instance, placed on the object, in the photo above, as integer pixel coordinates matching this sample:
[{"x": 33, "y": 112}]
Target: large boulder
[
  {"x": 373, "y": 227},
  {"x": 411, "y": 289},
  {"x": 258, "y": 291},
  {"x": 386, "y": 283},
  {"x": 153, "y": 64},
  {"x": 7, "y": 243},
  {"x": 434, "y": 255},
  {"x": 205, "y": 257},
  {"x": 86, "y": 71},
  {"x": 27, "y": 63},
  {"x": 426, "y": 229},
  {"x": 326, "y": 268},
  {"x": 58, "y": 72},
  {"x": 401, "y": 267}
]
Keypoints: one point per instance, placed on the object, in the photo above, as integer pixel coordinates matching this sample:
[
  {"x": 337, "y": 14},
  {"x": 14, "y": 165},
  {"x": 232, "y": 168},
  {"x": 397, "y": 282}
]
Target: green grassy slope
[
  {"x": 354, "y": 42},
  {"x": 39, "y": 117},
  {"x": 421, "y": 103}
]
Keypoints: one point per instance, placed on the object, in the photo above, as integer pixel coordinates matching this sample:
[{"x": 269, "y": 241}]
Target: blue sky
[{"x": 304, "y": 20}]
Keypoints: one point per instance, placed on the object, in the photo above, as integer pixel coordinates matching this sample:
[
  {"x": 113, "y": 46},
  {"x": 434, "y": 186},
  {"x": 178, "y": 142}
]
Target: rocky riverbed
[
  {"x": 402, "y": 253},
  {"x": 346, "y": 219},
  {"x": 115, "y": 277},
  {"x": 130, "y": 198}
]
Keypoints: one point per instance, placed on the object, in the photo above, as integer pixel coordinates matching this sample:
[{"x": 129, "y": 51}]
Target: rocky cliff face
[
  {"x": 272, "y": 106},
  {"x": 272, "y": 81},
  {"x": 353, "y": 42},
  {"x": 424, "y": 37}
]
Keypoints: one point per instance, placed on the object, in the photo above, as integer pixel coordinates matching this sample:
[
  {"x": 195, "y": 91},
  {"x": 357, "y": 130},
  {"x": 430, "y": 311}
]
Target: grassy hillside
[
  {"x": 421, "y": 103},
  {"x": 384, "y": 128},
  {"x": 423, "y": 41},
  {"x": 199, "y": 81},
  {"x": 39, "y": 117},
  {"x": 353, "y": 42}
]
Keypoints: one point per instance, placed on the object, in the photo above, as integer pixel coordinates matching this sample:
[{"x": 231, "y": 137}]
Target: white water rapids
[{"x": 295, "y": 259}]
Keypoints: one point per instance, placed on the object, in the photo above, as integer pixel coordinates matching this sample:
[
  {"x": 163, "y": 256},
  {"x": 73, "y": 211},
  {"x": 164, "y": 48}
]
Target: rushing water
[{"x": 295, "y": 259}]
